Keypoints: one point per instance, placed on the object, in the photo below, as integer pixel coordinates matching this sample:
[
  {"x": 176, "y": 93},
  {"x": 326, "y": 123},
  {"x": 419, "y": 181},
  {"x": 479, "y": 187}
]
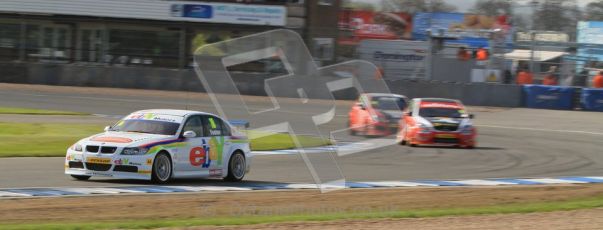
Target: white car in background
[{"x": 160, "y": 145}]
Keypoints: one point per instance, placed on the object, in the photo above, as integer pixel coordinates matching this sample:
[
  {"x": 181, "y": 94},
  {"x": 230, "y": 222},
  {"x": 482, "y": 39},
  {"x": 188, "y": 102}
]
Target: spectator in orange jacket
[
  {"x": 524, "y": 77},
  {"x": 550, "y": 78},
  {"x": 598, "y": 80},
  {"x": 481, "y": 54}
]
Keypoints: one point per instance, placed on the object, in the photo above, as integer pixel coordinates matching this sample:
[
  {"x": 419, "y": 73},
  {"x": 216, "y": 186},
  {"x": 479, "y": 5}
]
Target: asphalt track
[{"x": 513, "y": 142}]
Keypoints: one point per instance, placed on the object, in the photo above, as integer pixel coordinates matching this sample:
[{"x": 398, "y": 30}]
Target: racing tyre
[
  {"x": 162, "y": 169},
  {"x": 352, "y": 132},
  {"x": 402, "y": 142},
  {"x": 236, "y": 167},
  {"x": 80, "y": 177}
]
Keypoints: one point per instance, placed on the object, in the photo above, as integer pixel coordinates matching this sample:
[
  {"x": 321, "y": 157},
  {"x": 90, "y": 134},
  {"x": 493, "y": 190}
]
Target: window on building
[
  {"x": 137, "y": 47},
  {"x": 48, "y": 42},
  {"x": 9, "y": 41}
]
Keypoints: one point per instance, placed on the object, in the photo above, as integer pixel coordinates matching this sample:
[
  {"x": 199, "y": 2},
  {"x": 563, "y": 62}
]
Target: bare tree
[
  {"x": 493, "y": 7},
  {"x": 415, "y": 6},
  {"x": 594, "y": 11},
  {"x": 557, "y": 15}
]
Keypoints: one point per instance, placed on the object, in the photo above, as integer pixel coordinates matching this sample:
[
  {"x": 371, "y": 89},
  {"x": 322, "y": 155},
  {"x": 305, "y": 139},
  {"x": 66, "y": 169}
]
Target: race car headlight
[
  {"x": 423, "y": 128},
  {"x": 134, "y": 151},
  {"x": 467, "y": 130},
  {"x": 76, "y": 147}
]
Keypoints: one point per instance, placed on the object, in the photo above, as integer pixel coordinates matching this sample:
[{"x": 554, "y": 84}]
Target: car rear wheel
[
  {"x": 80, "y": 177},
  {"x": 403, "y": 140},
  {"x": 162, "y": 169},
  {"x": 352, "y": 131},
  {"x": 237, "y": 166}
]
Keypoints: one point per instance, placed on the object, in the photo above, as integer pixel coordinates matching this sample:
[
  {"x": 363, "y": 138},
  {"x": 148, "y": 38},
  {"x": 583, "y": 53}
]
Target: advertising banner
[
  {"x": 592, "y": 99},
  {"x": 365, "y": 24},
  {"x": 549, "y": 97},
  {"x": 486, "y": 75},
  {"x": 397, "y": 58},
  {"x": 231, "y": 13},
  {"x": 590, "y": 33},
  {"x": 470, "y": 29}
]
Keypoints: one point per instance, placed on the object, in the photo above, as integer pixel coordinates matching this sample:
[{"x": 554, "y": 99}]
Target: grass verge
[
  {"x": 577, "y": 204},
  {"x": 41, "y": 139},
  {"x": 24, "y": 111},
  {"x": 52, "y": 140},
  {"x": 264, "y": 141}
]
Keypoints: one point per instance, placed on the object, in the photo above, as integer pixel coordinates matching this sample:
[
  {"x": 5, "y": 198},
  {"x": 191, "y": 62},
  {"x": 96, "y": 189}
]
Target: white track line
[
  {"x": 481, "y": 182},
  {"x": 543, "y": 130}
]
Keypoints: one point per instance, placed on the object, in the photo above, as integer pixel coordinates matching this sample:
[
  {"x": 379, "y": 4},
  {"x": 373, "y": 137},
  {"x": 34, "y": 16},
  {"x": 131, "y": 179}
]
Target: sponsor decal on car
[
  {"x": 98, "y": 160},
  {"x": 112, "y": 139},
  {"x": 440, "y": 105},
  {"x": 215, "y": 172},
  {"x": 447, "y": 136},
  {"x": 155, "y": 117},
  {"x": 121, "y": 161},
  {"x": 210, "y": 152}
]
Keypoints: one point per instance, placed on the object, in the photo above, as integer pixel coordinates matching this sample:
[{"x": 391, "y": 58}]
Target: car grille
[
  {"x": 76, "y": 165},
  {"x": 125, "y": 168},
  {"x": 108, "y": 150},
  {"x": 446, "y": 140},
  {"x": 92, "y": 148},
  {"x": 98, "y": 167},
  {"x": 445, "y": 127}
]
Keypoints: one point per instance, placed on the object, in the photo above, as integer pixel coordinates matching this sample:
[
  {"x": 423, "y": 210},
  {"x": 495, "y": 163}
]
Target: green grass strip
[
  {"x": 273, "y": 141},
  {"x": 246, "y": 220},
  {"x": 24, "y": 111},
  {"x": 53, "y": 139},
  {"x": 41, "y": 139}
]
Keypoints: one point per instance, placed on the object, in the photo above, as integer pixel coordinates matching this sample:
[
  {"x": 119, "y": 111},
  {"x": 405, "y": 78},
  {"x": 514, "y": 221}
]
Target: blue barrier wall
[
  {"x": 548, "y": 97},
  {"x": 592, "y": 99}
]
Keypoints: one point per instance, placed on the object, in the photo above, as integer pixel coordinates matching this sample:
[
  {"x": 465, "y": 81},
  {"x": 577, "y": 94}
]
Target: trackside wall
[{"x": 480, "y": 94}]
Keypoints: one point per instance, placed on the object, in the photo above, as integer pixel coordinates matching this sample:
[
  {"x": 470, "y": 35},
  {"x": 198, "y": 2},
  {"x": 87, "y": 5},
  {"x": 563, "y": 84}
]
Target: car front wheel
[
  {"x": 236, "y": 167},
  {"x": 162, "y": 169}
]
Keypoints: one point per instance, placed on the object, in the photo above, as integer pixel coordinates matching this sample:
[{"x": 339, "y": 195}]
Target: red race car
[
  {"x": 376, "y": 114},
  {"x": 435, "y": 121}
]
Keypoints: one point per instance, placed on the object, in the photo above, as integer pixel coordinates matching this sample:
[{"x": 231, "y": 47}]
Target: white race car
[{"x": 160, "y": 145}]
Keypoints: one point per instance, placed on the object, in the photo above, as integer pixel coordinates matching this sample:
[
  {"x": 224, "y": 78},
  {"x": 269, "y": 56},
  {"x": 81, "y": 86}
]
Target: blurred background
[{"x": 151, "y": 43}]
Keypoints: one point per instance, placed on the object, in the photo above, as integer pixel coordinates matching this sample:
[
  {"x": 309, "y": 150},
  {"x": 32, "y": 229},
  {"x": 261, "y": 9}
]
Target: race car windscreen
[
  {"x": 146, "y": 126},
  {"x": 389, "y": 103},
  {"x": 441, "y": 112}
]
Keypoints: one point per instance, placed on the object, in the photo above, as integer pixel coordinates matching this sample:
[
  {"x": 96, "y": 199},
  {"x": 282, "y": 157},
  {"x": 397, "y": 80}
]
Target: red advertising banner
[{"x": 363, "y": 24}]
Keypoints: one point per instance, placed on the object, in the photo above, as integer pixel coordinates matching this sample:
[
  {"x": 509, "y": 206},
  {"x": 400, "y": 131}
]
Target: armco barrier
[
  {"x": 592, "y": 99},
  {"x": 549, "y": 97}
]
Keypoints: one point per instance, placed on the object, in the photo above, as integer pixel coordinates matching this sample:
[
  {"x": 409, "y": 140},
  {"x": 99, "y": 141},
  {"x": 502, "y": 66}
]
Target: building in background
[{"x": 152, "y": 33}]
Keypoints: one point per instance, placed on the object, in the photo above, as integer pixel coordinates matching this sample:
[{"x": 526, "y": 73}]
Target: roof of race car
[
  {"x": 444, "y": 100},
  {"x": 172, "y": 112},
  {"x": 384, "y": 95}
]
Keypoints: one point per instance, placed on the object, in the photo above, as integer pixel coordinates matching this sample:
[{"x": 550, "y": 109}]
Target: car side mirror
[
  {"x": 107, "y": 128},
  {"x": 189, "y": 134}
]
